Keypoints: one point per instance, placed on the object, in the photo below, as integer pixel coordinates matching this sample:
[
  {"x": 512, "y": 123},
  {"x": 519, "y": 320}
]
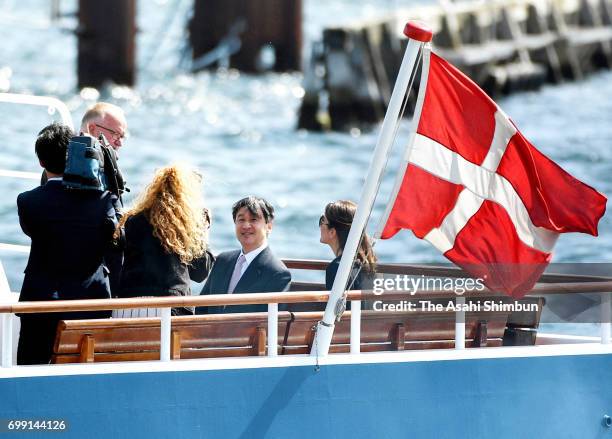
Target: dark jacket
[
  {"x": 265, "y": 274},
  {"x": 364, "y": 280},
  {"x": 113, "y": 258},
  {"x": 70, "y": 233},
  {"x": 148, "y": 270}
]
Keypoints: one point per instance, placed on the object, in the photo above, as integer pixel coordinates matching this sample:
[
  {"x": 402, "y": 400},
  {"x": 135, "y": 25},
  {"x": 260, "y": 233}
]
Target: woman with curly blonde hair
[{"x": 166, "y": 234}]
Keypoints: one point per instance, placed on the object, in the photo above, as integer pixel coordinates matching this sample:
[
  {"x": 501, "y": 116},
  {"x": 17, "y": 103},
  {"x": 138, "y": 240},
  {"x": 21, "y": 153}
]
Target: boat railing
[
  {"x": 274, "y": 299},
  {"x": 52, "y": 104},
  {"x": 435, "y": 271}
]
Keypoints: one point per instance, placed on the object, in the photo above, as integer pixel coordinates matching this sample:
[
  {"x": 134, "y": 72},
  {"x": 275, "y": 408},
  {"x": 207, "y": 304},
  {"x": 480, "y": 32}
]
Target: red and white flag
[{"x": 477, "y": 190}]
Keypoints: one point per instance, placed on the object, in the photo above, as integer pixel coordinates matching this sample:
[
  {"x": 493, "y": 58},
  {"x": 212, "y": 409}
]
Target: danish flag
[{"x": 477, "y": 190}]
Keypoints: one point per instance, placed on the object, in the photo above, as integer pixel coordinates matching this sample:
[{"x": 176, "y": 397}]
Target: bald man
[
  {"x": 107, "y": 119},
  {"x": 103, "y": 118}
]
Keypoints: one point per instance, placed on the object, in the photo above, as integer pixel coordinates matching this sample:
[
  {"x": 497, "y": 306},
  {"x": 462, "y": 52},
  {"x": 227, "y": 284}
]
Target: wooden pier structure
[
  {"x": 503, "y": 45},
  {"x": 106, "y": 42},
  {"x": 239, "y": 32}
]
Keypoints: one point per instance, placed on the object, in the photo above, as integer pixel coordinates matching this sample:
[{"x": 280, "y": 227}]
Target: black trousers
[
  {"x": 36, "y": 338},
  {"x": 37, "y": 334}
]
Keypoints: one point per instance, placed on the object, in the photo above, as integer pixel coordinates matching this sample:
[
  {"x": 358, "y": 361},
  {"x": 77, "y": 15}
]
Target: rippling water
[{"x": 240, "y": 131}]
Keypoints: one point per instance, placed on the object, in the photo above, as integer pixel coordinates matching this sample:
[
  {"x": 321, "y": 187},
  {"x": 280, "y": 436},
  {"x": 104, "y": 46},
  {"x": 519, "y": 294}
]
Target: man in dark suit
[
  {"x": 70, "y": 231},
  {"x": 108, "y": 120},
  {"x": 253, "y": 268}
]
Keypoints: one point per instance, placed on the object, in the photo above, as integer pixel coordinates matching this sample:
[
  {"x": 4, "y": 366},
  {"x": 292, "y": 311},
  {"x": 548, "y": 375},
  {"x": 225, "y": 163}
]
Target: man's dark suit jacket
[
  {"x": 70, "y": 232},
  {"x": 114, "y": 256},
  {"x": 265, "y": 274}
]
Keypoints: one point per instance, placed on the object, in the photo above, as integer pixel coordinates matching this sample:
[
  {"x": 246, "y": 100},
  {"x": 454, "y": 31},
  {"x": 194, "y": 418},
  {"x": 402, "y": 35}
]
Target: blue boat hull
[{"x": 533, "y": 397}]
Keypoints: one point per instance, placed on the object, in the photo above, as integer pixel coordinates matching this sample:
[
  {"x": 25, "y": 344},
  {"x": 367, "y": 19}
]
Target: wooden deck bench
[
  {"x": 395, "y": 331},
  {"x": 232, "y": 335},
  {"x": 133, "y": 339}
]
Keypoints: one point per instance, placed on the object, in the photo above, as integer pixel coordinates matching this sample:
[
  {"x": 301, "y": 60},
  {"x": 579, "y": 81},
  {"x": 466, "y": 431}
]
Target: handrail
[
  {"x": 403, "y": 269},
  {"x": 162, "y": 302},
  {"x": 44, "y": 101},
  {"x": 267, "y": 298},
  {"x": 19, "y": 174},
  {"x": 17, "y": 248},
  {"x": 273, "y": 299}
]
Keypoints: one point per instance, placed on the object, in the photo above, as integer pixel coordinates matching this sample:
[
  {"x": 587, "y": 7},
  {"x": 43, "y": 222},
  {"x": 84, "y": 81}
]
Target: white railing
[
  {"x": 6, "y": 322},
  {"x": 606, "y": 317},
  {"x": 15, "y": 248},
  {"x": 460, "y": 323},
  {"x": 166, "y": 303},
  {"x": 42, "y": 101},
  {"x": 272, "y": 329},
  {"x": 52, "y": 104},
  {"x": 355, "y": 326},
  {"x": 19, "y": 174},
  {"x": 166, "y": 331}
]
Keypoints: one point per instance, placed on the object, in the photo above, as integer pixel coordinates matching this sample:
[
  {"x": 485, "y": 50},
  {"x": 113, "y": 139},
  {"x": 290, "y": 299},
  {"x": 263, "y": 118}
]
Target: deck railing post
[
  {"x": 272, "y": 329},
  {"x": 166, "y": 322},
  {"x": 460, "y": 323},
  {"x": 355, "y": 326},
  {"x": 7, "y": 340},
  {"x": 7, "y": 322},
  {"x": 606, "y": 318}
]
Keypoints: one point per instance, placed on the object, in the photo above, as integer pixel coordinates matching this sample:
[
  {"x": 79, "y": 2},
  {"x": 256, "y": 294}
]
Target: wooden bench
[
  {"x": 232, "y": 335},
  {"x": 396, "y": 331},
  {"x": 133, "y": 339},
  {"x": 521, "y": 327}
]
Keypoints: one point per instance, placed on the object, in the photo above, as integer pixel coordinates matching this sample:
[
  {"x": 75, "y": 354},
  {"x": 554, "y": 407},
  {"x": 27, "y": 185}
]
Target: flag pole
[
  {"x": 418, "y": 34},
  {"x": 416, "y": 117}
]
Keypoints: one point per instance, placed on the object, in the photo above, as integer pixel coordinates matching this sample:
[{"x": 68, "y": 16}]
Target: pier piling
[
  {"x": 106, "y": 42},
  {"x": 248, "y": 35},
  {"x": 503, "y": 45}
]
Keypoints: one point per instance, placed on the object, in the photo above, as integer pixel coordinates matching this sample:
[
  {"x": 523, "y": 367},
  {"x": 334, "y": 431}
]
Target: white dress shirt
[{"x": 250, "y": 256}]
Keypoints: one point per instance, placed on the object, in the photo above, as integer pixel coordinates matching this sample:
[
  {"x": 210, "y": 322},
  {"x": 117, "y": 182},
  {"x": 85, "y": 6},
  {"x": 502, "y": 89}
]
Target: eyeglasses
[
  {"x": 322, "y": 221},
  {"x": 116, "y": 135}
]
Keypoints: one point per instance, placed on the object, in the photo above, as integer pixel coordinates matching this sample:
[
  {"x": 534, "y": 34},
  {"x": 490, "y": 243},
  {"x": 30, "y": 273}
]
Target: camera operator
[
  {"x": 107, "y": 120},
  {"x": 70, "y": 233}
]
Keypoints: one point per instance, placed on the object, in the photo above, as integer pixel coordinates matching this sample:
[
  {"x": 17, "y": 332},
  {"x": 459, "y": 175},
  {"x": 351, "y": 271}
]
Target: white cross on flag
[{"x": 477, "y": 190}]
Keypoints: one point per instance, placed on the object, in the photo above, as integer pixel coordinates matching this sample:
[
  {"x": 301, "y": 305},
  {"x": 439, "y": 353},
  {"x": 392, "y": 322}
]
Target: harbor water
[{"x": 240, "y": 131}]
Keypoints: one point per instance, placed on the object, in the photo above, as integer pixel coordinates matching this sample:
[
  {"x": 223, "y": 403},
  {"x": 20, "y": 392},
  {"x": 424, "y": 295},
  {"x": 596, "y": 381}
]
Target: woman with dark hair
[
  {"x": 334, "y": 226},
  {"x": 166, "y": 235}
]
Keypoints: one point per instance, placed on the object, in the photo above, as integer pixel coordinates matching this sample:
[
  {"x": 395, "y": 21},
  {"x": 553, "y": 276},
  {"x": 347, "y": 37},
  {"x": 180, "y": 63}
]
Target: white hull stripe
[
  {"x": 373, "y": 358},
  {"x": 483, "y": 185}
]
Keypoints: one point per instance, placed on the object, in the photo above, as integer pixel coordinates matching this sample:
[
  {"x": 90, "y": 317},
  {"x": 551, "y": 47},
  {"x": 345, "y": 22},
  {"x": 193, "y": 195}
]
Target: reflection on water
[{"x": 240, "y": 131}]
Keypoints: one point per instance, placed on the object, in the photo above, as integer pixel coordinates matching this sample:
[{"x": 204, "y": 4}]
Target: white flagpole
[
  {"x": 417, "y": 34},
  {"x": 416, "y": 117}
]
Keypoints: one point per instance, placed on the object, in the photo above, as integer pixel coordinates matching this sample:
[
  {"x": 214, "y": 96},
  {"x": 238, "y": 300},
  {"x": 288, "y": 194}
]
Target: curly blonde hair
[{"x": 174, "y": 206}]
